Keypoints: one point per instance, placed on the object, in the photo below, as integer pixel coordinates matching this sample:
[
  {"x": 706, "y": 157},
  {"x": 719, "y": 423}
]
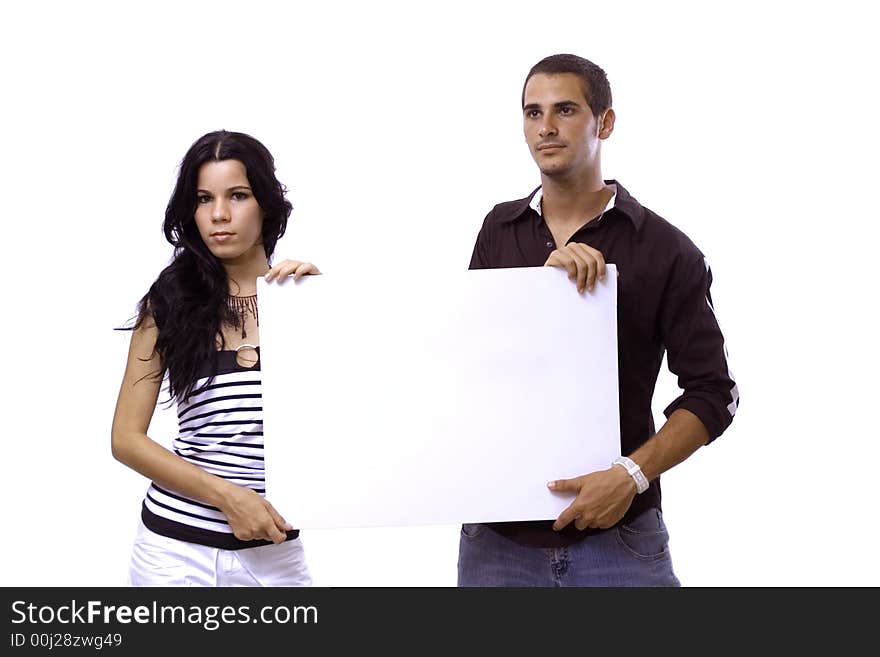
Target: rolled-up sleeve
[{"x": 695, "y": 348}]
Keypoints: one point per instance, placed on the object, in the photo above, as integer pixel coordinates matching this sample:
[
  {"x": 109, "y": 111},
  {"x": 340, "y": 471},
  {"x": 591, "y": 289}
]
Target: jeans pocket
[
  {"x": 155, "y": 562},
  {"x": 645, "y": 536},
  {"x": 472, "y": 530}
]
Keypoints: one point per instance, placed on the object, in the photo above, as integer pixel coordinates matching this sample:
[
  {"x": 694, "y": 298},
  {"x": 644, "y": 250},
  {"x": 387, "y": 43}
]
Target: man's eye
[
  {"x": 532, "y": 114},
  {"x": 566, "y": 110}
]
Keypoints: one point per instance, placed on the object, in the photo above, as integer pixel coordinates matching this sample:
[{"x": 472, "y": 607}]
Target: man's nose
[{"x": 547, "y": 128}]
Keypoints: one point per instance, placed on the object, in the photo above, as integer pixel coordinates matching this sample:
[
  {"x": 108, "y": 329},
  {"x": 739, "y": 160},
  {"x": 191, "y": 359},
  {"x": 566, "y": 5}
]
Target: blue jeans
[{"x": 634, "y": 554}]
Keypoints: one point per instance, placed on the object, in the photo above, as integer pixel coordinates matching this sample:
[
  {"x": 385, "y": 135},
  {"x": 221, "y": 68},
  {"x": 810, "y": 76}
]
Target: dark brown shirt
[{"x": 663, "y": 304}]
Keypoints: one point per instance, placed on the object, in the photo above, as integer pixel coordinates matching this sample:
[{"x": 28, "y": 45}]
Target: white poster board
[{"x": 412, "y": 400}]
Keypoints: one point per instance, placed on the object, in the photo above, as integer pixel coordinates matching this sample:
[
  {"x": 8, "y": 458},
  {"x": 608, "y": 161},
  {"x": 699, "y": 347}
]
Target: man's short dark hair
[{"x": 597, "y": 91}]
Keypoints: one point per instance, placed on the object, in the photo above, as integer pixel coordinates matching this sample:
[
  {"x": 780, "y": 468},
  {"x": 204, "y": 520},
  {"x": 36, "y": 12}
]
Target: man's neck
[{"x": 573, "y": 201}]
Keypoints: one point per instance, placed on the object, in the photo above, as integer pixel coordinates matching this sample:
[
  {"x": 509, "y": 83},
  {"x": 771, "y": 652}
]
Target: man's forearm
[{"x": 682, "y": 435}]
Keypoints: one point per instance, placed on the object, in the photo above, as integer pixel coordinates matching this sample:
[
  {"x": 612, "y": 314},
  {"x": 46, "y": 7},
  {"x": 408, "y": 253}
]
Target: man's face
[{"x": 559, "y": 126}]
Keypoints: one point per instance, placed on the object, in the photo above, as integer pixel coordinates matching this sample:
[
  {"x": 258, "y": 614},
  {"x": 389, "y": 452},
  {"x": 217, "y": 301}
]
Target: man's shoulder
[
  {"x": 509, "y": 210},
  {"x": 668, "y": 235}
]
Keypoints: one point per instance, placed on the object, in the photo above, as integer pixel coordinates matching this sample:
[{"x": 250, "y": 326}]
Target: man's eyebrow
[{"x": 559, "y": 105}]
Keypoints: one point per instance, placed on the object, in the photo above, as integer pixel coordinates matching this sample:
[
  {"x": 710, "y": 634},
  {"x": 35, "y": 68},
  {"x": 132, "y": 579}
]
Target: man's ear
[{"x": 606, "y": 124}]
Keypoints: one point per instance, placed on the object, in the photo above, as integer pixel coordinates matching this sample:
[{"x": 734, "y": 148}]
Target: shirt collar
[
  {"x": 535, "y": 203},
  {"x": 622, "y": 201}
]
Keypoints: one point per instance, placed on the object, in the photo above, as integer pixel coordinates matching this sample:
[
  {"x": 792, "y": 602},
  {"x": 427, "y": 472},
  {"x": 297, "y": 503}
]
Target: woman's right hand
[
  {"x": 294, "y": 268},
  {"x": 252, "y": 517}
]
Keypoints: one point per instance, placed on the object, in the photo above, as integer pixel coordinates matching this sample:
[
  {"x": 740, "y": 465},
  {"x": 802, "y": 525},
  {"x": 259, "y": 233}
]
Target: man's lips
[{"x": 550, "y": 146}]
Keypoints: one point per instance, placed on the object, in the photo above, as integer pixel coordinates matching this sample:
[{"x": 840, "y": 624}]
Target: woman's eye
[{"x": 202, "y": 199}]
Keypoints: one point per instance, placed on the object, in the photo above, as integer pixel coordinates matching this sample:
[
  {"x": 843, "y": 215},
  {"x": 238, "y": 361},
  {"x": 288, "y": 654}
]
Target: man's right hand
[{"x": 583, "y": 263}]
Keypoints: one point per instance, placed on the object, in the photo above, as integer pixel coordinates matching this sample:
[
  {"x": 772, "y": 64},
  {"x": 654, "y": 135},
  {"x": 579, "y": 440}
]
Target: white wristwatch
[{"x": 634, "y": 471}]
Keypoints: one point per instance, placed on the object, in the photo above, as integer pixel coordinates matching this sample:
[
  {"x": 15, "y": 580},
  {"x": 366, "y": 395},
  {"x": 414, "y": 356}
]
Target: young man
[{"x": 612, "y": 534}]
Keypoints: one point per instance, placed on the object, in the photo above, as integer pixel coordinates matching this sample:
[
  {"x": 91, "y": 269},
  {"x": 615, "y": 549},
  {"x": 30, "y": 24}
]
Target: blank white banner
[{"x": 419, "y": 400}]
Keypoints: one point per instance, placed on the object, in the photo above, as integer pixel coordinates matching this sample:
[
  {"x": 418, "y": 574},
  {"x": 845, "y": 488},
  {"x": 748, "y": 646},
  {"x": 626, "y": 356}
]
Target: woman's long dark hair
[{"x": 188, "y": 299}]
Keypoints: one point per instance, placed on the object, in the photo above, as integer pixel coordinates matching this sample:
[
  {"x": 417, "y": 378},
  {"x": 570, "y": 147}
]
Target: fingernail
[{"x": 551, "y": 484}]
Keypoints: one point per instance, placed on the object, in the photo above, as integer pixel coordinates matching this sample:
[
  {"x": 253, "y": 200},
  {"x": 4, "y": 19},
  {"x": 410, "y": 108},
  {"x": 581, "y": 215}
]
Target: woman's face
[{"x": 228, "y": 216}]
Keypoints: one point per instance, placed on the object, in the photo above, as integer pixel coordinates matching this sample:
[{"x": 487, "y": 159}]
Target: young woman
[{"x": 205, "y": 520}]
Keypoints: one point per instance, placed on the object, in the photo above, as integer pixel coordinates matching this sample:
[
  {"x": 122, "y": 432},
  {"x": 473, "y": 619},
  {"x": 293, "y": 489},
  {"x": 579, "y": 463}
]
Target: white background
[{"x": 397, "y": 127}]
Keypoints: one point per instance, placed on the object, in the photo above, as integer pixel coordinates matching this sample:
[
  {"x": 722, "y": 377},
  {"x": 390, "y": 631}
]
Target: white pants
[{"x": 157, "y": 560}]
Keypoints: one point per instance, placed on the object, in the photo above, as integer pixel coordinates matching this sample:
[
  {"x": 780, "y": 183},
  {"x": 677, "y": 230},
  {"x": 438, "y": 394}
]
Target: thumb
[{"x": 566, "y": 485}]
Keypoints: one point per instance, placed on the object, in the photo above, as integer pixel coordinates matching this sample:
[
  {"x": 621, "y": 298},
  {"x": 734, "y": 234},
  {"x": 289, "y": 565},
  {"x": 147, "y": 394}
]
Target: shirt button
[{"x": 549, "y": 244}]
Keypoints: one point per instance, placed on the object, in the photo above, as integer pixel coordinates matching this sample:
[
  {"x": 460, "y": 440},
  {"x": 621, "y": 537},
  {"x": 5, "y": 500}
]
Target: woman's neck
[{"x": 243, "y": 275}]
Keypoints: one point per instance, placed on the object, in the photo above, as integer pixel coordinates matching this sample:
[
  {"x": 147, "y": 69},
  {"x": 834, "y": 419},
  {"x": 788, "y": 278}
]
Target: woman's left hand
[{"x": 294, "y": 268}]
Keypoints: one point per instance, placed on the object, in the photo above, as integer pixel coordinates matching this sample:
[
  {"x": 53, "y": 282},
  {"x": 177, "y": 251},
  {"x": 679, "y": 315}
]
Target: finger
[
  {"x": 586, "y": 254},
  {"x": 586, "y": 269},
  {"x": 583, "y": 522},
  {"x": 288, "y": 268},
  {"x": 276, "y": 535},
  {"x": 577, "y": 265},
  {"x": 561, "y": 258},
  {"x": 590, "y": 277},
  {"x": 269, "y": 531},
  {"x": 600, "y": 264},
  {"x": 282, "y": 270},
  {"x": 556, "y": 259},
  {"x": 569, "y": 514},
  {"x": 304, "y": 269},
  {"x": 283, "y": 274},
  {"x": 596, "y": 256},
  {"x": 599, "y": 261},
  {"x": 280, "y": 522},
  {"x": 571, "y": 267}
]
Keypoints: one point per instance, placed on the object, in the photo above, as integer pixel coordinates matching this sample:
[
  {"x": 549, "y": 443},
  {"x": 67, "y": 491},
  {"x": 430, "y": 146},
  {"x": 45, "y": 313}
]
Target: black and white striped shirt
[{"x": 220, "y": 431}]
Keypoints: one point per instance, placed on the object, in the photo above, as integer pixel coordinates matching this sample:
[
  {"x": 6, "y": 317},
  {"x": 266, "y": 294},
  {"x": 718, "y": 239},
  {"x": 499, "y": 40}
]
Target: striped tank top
[{"x": 220, "y": 431}]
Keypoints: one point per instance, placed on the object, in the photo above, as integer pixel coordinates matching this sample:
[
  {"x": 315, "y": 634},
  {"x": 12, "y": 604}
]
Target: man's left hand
[
  {"x": 602, "y": 498},
  {"x": 583, "y": 263}
]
